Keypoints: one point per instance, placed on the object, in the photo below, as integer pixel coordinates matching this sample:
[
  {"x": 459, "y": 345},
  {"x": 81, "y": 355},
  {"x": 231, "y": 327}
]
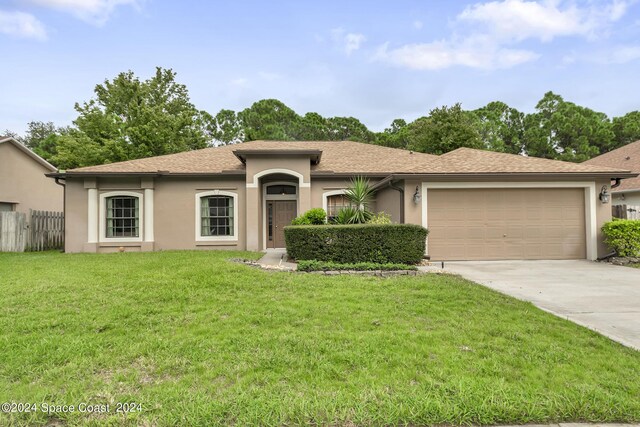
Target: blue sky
[{"x": 374, "y": 60}]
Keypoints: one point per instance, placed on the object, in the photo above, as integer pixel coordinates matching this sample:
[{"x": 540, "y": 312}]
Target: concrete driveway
[{"x": 602, "y": 297}]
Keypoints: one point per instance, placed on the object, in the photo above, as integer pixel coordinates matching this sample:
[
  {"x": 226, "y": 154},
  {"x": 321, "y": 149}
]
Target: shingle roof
[
  {"x": 337, "y": 157},
  {"x": 471, "y": 161},
  {"x": 625, "y": 157},
  {"x": 347, "y": 157}
]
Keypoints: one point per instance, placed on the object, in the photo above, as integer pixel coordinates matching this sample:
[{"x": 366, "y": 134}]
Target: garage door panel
[{"x": 478, "y": 224}]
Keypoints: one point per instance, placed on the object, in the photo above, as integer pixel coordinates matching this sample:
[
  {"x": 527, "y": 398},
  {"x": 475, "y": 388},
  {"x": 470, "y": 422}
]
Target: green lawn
[{"x": 197, "y": 340}]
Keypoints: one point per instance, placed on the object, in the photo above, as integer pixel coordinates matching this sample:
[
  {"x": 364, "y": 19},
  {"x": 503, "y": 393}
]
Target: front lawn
[{"x": 197, "y": 340}]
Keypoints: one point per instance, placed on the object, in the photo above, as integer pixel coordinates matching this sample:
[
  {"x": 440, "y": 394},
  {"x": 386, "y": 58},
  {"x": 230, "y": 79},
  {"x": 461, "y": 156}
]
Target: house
[
  {"x": 23, "y": 184},
  {"x": 477, "y": 204},
  {"x": 626, "y": 157}
]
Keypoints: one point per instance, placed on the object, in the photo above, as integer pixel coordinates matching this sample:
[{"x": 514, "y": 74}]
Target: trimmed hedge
[
  {"x": 313, "y": 265},
  {"x": 623, "y": 235},
  {"x": 377, "y": 243}
]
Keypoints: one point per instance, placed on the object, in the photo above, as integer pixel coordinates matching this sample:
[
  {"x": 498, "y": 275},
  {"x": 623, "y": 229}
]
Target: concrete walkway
[
  {"x": 276, "y": 258},
  {"x": 600, "y": 296}
]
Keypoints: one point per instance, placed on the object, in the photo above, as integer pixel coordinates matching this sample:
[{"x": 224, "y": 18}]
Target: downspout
[
  {"x": 64, "y": 212},
  {"x": 401, "y": 191},
  {"x": 617, "y": 184}
]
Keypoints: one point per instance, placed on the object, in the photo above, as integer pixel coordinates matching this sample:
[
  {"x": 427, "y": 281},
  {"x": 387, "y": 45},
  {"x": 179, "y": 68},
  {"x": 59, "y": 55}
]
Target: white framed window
[
  {"x": 334, "y": 201},
  {"x": 121, "y": 216},
  {"x": 216, "y": 216}
]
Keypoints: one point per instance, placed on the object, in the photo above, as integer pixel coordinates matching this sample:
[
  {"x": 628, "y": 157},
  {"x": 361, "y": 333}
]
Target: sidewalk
[{"x": 276, "y": 258}]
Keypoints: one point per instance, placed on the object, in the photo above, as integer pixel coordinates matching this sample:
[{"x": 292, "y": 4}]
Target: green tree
[
  {"x": 563, "y": 130},
  {"x": 394, "y": 136},
  {"x": 75, "y": 149},
  {"x": 311, "y": 127},
  {"x": 268, "y": 119},
  {"x": 41, "y": 137},
  {"x": 626, "y": 129},
  {"x": 501, "y": 127},
  {"x": 348, "y": 129},
  {"x": 131, "y": 119},
  {"x": 225, "y": 128},
  {"x": 444, "y": 130}
]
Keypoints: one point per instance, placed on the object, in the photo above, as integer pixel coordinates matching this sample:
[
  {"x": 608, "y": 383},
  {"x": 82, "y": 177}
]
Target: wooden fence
[
  {"x": 13, "y": 231},
  {"x": 46, "y": 231},
  {"x": 626, "y": 212},
  {"x": 38, "y": 231}
]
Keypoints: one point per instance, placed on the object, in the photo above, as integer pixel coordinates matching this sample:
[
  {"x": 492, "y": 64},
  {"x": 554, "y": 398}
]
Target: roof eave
[
  {"x": 314, "y": 155},
  {"x": 547, "y": 175},
  {"x": 29, "y": 152},
  {"x": 134, "y": 174}
]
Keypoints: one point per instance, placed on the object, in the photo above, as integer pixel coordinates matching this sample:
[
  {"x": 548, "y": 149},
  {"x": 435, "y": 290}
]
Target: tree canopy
[{"x": 129, "y": 118}]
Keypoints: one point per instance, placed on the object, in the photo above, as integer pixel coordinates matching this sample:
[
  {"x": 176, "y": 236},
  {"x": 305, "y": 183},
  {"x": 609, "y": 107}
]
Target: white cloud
[
  {"x": 349, "y": 42},
  {"x": 517, "y": 20},
  {"x": 93, "y": 11},
  {"x": 487, "y": 33},
  {"x": 22, "y": 25},
  {"x": 417, "y": 25},
  {"x": 444, "y": 54}
]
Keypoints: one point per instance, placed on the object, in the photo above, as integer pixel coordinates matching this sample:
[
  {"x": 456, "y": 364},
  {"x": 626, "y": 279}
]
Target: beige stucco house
[
  {"x": 476, "y": 204},
  {"x": 625, "y": 157},
  {"x": 23, "y": 184}
]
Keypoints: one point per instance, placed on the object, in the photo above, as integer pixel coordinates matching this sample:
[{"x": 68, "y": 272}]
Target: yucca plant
[
  {"x": 360, "y": 195},
  {"x": 345, "y": 216}
]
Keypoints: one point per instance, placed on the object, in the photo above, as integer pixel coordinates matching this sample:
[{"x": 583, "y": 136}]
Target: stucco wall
[
  {"x": 22, "y": 181},
  {"x": 412, "y": 211},
  {"x": 630, "y": 198},
  {"x": 603, "y": 214},
  {"x": 388, "y": 201},
  {"x": 75, "y": 220},
  {"x": 175, "y": 212}
]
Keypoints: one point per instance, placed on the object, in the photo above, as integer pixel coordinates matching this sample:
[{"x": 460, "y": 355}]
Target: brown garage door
[{"x": 489, "y": 224}]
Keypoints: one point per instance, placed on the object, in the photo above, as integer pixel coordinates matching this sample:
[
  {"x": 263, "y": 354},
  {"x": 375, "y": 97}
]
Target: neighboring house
[
  {"x": 626, "y": 157},
  {"x": 23, "y": 184},
  {"x": 476, "y": 204}
]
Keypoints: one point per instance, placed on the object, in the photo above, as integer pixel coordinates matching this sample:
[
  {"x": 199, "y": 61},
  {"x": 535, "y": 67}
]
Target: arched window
[{"x": 335, "y": 203}]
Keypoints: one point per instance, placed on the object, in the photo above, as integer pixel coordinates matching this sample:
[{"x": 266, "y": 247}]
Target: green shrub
[
  {"x": 313, "y": 265},
  {"x": 378, "y": 243},
  {"x": 315, "y": 216},
  {"x": 380, "y": 218},
  {"x": 623, "y": 236}
]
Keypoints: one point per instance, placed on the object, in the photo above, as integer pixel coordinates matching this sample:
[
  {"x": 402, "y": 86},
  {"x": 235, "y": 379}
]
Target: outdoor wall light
[
  {"x": 604, "y": 195},
  {"x": 417, "y": 196}
]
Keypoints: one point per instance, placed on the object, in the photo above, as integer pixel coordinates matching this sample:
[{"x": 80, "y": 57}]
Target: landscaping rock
[{"x": 624, "y": 260}]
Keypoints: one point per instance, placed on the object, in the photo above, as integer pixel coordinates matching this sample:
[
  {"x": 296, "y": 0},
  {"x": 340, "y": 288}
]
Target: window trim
[
  {"x": 236, "y": 212},
  {"x": 327, "y": 194},
  {"x": 103, "y": 216}
]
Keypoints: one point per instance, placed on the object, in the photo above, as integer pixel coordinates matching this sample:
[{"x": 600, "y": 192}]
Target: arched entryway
[{"x": 280, "y": 207}]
